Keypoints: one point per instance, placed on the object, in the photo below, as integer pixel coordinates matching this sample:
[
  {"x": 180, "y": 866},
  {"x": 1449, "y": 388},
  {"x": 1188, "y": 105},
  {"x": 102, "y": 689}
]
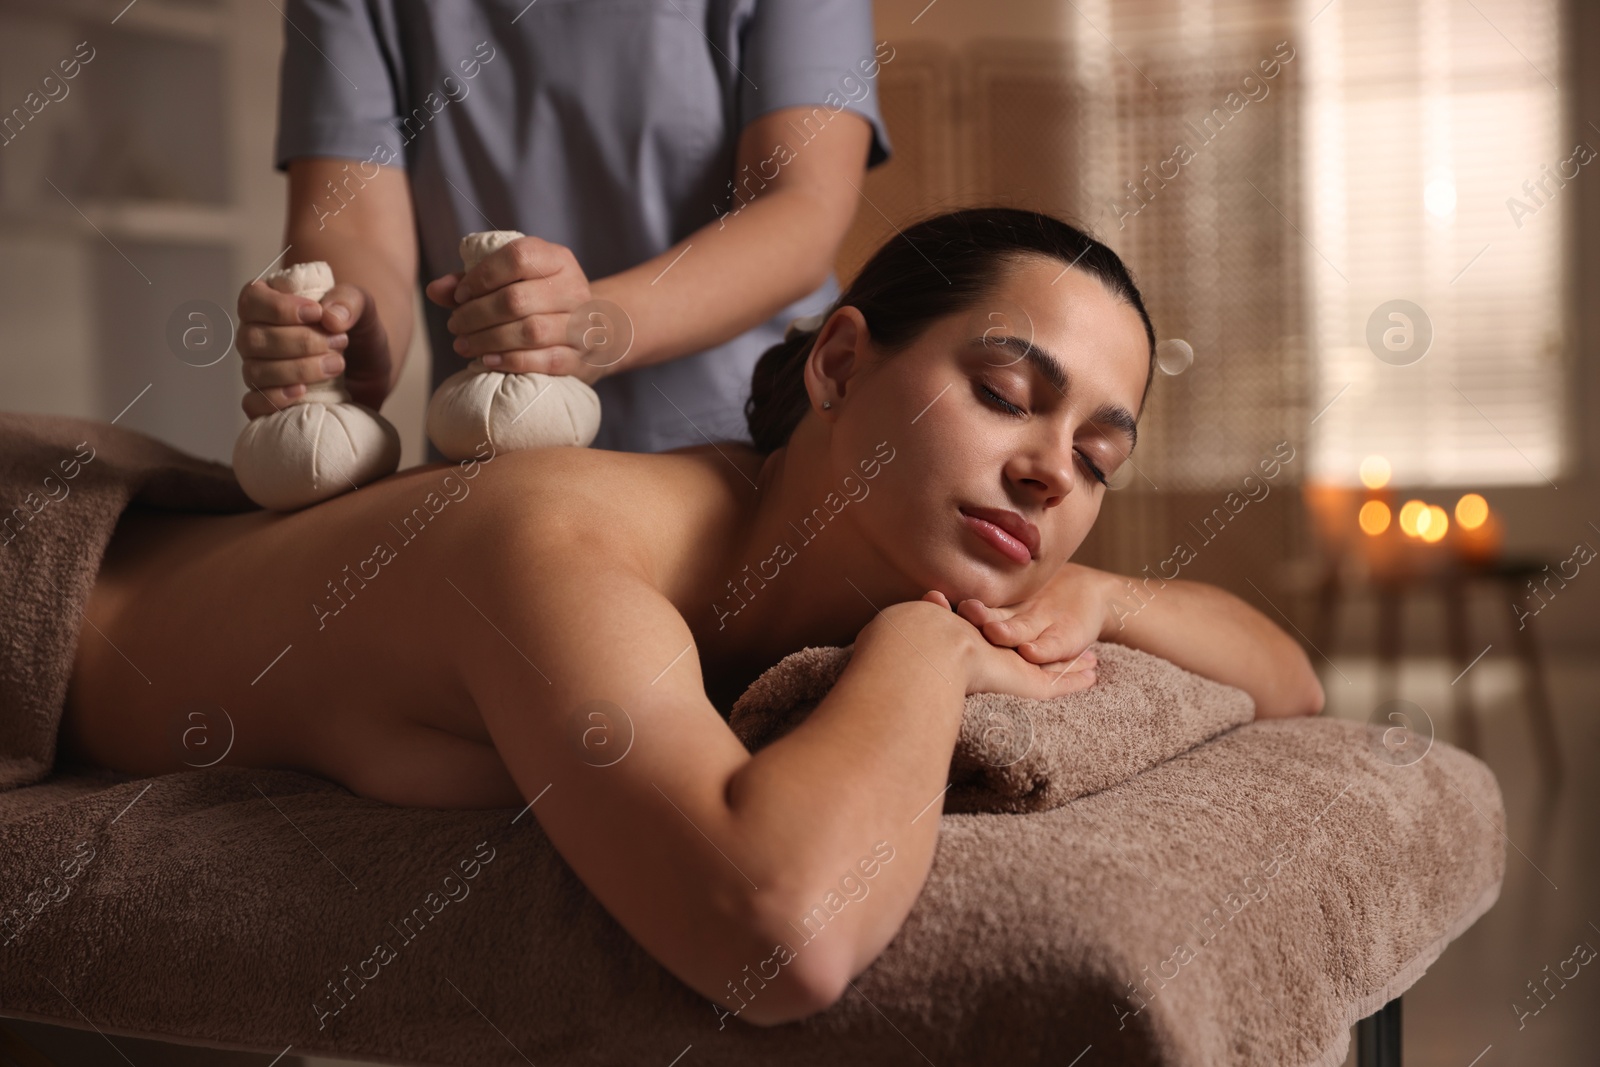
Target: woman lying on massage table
[{"x": 569, "y": 626}]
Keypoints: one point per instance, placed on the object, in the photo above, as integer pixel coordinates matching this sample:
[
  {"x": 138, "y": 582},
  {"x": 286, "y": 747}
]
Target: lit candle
[{"x": 1479, "y": 535}]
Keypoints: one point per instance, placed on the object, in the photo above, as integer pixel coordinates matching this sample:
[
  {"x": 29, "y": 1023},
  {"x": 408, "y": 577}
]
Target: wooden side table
[{"x": 1454, "y": 583}]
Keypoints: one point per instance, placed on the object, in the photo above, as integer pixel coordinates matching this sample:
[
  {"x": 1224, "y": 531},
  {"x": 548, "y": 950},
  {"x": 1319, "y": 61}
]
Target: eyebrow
[{"x": 1112, "y": 415}]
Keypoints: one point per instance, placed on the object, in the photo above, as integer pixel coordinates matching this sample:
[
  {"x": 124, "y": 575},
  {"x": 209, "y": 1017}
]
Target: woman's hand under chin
[
  {"x": 1198, "y": 627},
  {"x": 1003, "y": 669},
  {"x": 1056, "y": 624}
]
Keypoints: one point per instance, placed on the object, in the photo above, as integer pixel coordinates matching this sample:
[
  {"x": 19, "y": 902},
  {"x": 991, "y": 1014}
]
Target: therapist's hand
[
  {"x": 286, "y": 342},
  {"x": 514, "y": 310}
]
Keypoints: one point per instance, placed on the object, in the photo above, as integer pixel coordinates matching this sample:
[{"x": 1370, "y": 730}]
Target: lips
[{"x": 1007, "y": 530}]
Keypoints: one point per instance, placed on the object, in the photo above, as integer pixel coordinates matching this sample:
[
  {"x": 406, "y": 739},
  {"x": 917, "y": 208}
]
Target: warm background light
[
  {"x": 1437, "y": 523},
  {"x": 1374, "y": 517},
  {"x": 1375, "y": 472},
  {"x": 1411, "y": 513},
  {"x": 1471, "y": 511},
  {"x": 1439, "y": 195}
]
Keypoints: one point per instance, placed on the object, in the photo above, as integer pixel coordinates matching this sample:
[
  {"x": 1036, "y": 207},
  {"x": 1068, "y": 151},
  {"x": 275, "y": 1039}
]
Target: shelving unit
[{"x": 143, "y": 183}]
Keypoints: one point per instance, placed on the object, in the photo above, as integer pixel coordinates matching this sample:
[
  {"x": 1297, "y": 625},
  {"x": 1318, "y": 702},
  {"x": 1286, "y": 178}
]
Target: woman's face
[{"x": 1000, "y": 447}]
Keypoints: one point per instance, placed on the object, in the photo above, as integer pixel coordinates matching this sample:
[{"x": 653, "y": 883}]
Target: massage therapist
[{"x": 688, "y": 167}]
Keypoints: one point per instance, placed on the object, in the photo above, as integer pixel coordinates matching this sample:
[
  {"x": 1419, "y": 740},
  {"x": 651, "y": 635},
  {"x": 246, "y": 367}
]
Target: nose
[{"x": 1043, "y": 467}]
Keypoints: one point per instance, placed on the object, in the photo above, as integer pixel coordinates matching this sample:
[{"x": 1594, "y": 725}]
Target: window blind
[{"x": 1435, "y": 167}]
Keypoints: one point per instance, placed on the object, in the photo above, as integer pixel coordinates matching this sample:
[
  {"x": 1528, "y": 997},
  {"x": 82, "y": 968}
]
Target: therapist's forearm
[
  {"x": 369, "y": 267},
  {"x": 778, "y": 248},
  {"x": 361, "y": 226}
]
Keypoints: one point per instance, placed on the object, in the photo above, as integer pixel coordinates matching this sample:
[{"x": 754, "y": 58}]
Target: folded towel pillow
[{"x": 1018, "y": 755}]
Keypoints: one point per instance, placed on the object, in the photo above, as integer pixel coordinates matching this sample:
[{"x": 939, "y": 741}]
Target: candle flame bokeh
[
  {"x": 1471, "y": 511},
  {"x": 1432, "y": 524},
  {"x": 1374, "y": 517},
  {"x": 1375, "y": 472},
  {"x": 1411, "y": 513}
]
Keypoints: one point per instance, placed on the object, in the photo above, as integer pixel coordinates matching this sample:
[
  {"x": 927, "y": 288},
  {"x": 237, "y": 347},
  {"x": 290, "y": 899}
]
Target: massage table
[{"x": 1175, "y": 885}]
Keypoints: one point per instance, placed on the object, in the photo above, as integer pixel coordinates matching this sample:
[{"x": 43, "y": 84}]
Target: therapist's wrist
[
  {"x": 608, "y": 339},
  {"x": 590, "y": 374}
]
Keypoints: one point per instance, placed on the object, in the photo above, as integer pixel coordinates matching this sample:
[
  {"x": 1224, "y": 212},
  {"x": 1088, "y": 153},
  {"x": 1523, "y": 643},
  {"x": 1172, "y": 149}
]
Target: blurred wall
[{"x": 144, "y": 184}]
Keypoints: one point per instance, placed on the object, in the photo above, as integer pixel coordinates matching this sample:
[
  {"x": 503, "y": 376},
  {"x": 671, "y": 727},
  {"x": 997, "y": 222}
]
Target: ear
[{"x": 840, "y": 352}]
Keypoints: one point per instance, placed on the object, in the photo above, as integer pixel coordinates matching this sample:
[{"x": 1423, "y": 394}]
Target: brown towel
[
  {"x": 64, "y": 483},
  {"x": 1240, "y": 903},
  {"x": 1015, "y": 754}
]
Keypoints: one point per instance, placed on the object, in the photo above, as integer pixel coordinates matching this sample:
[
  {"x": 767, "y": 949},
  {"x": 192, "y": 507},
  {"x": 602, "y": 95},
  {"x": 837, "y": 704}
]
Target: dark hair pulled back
[{"x": 941, "y": 265}]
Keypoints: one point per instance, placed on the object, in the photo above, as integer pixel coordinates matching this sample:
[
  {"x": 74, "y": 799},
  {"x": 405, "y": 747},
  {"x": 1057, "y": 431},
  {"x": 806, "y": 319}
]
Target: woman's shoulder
[
  {"x": 609, "y": 500},
  {"x": 591, "y": 474}
]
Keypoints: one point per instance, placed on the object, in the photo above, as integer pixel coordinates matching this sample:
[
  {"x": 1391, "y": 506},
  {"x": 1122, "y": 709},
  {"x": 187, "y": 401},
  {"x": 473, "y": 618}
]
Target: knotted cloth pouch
[
  {"x": 323, "y": 443},
  {"x": 1019, "y": 755},
  {"x": 510, "y": 411}
]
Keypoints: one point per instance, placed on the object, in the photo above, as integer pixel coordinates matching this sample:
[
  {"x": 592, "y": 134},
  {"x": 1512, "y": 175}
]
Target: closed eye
[
  {"x": 1099, "y": 476},
  {"x": 998, "y": 401},
  {"x": 1001, "y": 402}
]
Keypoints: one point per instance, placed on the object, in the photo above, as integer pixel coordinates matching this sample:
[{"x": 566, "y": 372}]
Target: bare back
[{"x": 330, "y": 640}]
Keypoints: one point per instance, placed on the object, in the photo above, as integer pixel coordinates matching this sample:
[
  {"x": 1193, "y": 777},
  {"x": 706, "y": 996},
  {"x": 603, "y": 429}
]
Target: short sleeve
[
  {"x": 814, "y": 52},
  {"x": 336, "y": 93}
]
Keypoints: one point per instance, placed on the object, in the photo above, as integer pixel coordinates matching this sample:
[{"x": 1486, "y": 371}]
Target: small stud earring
[{"x": 827, "y": 404}]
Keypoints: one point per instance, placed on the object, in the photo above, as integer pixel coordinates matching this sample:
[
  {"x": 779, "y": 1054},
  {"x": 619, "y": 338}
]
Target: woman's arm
[
  {"x": 1199, "y": 627},
  {"x": 1213, "y": 633},
  {"x": 865, "y": 774},
  {"x": 717, "y": 861}
]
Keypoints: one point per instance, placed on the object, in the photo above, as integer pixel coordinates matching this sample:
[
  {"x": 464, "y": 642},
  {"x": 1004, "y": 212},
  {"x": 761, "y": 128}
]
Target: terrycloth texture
[
  {"x": 1285, "y": 879},
  {"x": 1015, "y": 754},
  {"x": 1241, "y": 903},
  {"x": 64, "y": 482}
]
